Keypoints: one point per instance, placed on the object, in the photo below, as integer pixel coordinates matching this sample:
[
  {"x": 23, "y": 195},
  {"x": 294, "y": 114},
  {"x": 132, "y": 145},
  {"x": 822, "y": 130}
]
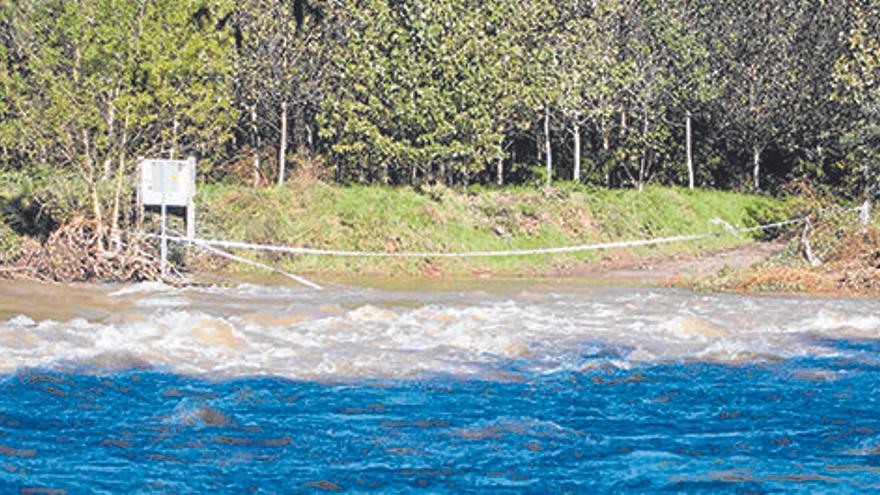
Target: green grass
[{"x": 371, "y": 218}]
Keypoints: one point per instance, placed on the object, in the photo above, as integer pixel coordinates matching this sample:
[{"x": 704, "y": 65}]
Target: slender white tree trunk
[
  {"x": 499, "y": 177},
  {"x": 547, "y": 144},
  {"x": 120, "y": 175},
  {"x": 641, "y": 184},
  {"x": 606, "y": 145},
  {"x": 690, "y": 150},
  {"x": 256, "y": 142},
  {"x": 111, "y": 124},
  {"x": 93, "y": 185},
  {"x": 606, "y": 138},
  {"x": 117, "y": 194},
  {"x": 756, "y": 166},
  {"x": 577, "y": 152},
  {"x": 282, "y": 146},
  {"x": 643, "y": 163}
]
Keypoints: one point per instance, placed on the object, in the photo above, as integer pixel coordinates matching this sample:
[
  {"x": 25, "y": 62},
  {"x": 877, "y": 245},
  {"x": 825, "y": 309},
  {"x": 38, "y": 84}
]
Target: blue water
[{"x": 790, "y": 426}]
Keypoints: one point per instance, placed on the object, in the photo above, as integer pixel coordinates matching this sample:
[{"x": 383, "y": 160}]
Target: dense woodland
[{"x": 746, "y": 95}]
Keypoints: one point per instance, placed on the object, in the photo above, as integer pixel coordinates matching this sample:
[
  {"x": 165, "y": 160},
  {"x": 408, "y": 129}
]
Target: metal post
[
  {"x": 191, "y": 206},
  {"x": 164, "y": 237},
  {"x": 164, "y": 247}
]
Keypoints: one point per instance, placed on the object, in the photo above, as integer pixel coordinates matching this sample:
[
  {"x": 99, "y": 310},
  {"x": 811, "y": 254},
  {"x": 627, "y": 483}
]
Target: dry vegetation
[
  {"x": 850, "y": 258},
  {"x": 79, "y": 251}
]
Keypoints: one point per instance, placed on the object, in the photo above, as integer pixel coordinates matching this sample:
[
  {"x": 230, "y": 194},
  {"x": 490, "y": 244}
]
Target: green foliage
[
  {"x": 419, "y": 84},
  {"x": 98, "y": 83},
  {"x": 858, "y": 81},
  {"x": 38, "y": 200},
  {"x": 456, "y": 92}
]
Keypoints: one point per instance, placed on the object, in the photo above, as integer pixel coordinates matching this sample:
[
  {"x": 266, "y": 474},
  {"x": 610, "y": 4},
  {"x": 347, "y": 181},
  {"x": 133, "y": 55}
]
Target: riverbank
[
  {"x": 311, "y": 213},
  {"x": 373, "y": 219}
]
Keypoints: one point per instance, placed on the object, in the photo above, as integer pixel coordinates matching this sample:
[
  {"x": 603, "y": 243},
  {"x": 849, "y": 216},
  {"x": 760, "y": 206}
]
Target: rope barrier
[
  {"x": 486, "y": 254},
  {"x": 239, "y": 259},
  {"x": 224, "y": 254}
]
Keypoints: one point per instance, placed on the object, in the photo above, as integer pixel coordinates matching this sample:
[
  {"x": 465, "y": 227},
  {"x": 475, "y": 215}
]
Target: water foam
[{"x": 372, "y": 333}]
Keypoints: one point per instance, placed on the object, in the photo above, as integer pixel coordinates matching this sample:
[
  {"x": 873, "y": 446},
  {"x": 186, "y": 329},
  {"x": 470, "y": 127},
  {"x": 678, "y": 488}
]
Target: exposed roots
[{"x": 84, "y": 251}]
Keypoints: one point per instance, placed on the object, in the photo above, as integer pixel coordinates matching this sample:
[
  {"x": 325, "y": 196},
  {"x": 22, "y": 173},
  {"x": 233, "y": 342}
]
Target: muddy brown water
[{"x": 405, "y": 328}]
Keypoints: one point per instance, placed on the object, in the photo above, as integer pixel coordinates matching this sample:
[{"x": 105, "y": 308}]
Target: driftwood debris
[{"x": 82, "y": 251}]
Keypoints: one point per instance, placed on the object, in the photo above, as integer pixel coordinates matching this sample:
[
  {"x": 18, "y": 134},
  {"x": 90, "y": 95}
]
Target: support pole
[
  {"x": 163, "y": 249},
  {"x": 191, "y": 205},
  {"x": 164, "y": 245}
]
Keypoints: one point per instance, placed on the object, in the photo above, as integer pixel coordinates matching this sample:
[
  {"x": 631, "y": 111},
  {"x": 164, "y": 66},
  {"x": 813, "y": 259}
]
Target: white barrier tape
[
  {"x": 224, "y": 254},
  {"x": 239, "y": 259},
  {"x": 487, "y": 254}
]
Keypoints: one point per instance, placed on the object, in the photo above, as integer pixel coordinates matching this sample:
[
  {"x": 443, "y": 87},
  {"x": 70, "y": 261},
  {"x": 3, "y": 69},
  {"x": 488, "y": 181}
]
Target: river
[{"x": 504, "y": 386}]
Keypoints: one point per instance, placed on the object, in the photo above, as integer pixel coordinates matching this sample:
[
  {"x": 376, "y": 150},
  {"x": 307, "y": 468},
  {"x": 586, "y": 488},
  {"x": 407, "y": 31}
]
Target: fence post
[{"x": 805, "y": 244}]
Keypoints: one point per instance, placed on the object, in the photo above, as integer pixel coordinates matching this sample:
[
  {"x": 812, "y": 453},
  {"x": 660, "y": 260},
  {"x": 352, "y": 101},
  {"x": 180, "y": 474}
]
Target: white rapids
[{"x": 259, "y": 330}]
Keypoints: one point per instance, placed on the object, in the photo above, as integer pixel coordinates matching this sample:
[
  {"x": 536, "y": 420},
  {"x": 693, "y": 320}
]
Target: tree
[
  {"x": 650, "y": 32},
  {"x": 576, "y": 63},
  {"x": 103, "y": 81},
  {"x": 411, "y": 92},
  {"x": 695, "y": 84},
  {"x": 279, "y": 70},
  {"x": 857, "y": 75},
  {"x": 757, "y": 41}
]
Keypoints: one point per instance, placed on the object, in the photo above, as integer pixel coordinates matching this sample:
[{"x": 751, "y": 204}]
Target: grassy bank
[{"x": 316, "y": 214}]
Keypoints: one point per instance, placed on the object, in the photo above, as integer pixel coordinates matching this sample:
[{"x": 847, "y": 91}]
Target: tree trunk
[
  {"x": 256, "y": 143},
  {"x": 577, "y": 152},
  {"x": 641, "y": 184},
  {"x": 499, "y": 171},
  {"x": 643, "y": 163},
  {"x": 120, "y": 175},
  {"x": 93, "y": 186},
  {"x": 690, "y": 151},
  {"x": 282, "y": 146},
  {"x": 111, "y": 122},
  {"x": 549, "y": 153},
  {"x": 117, "y": 194},
  {"x": 606, "y": 146},
  {"x": 756, "y": 167}
]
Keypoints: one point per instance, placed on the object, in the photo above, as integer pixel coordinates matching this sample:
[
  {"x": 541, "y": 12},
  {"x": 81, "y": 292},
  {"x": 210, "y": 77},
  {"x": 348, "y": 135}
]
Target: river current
[{"x": 502, "y": 387}]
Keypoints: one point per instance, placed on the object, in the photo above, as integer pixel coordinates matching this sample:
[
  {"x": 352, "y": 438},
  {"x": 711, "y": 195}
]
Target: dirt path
[{"x": 677, "y": 268}]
